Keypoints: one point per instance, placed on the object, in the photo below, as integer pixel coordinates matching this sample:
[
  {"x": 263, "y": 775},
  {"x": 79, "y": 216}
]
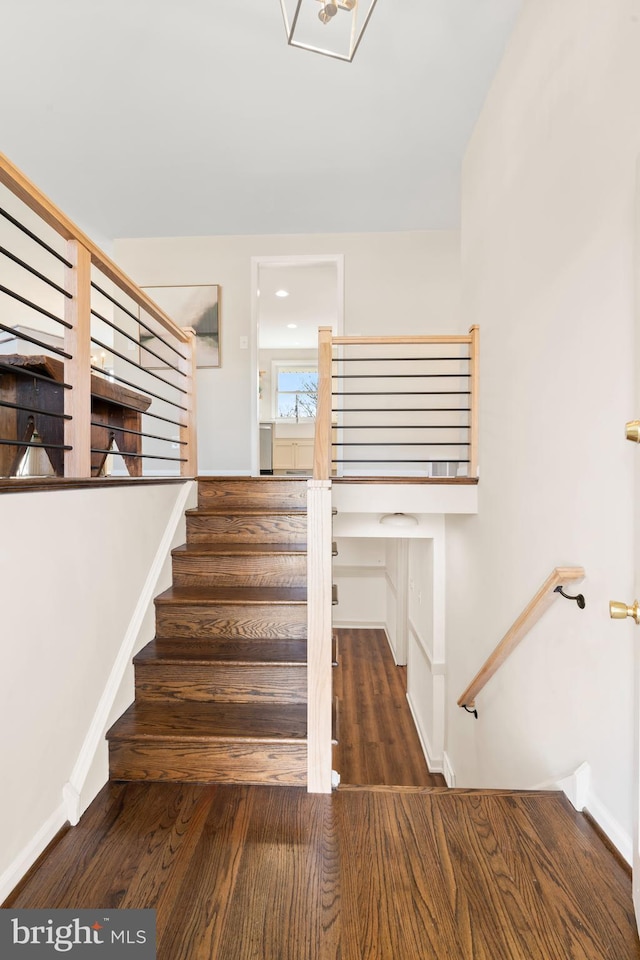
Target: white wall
[
  {"x": 394, "y": 283},
  {"x": 73, "y": 566},
  {"x": 359, "y": 573},
  {"x": 547, "y": 254}
]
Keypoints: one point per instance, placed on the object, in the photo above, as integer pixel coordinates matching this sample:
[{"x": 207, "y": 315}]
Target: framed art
[{"x": 198, "y": 307}]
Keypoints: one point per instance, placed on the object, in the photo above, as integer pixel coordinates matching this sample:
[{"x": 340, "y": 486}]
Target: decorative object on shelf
[
  {"x": 333, "y": 28},
  {"x": 399, "y": 520},
  {"x": 197, "y": 307},
  {"x": 579, "y": 599}
]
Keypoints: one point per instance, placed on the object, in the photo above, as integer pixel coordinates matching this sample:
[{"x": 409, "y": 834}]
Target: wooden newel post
[
  {"x": 77, "y": 371},
  {"x": 322, "y": 446},
  {"x": 188, "y": 433},
  {"x": 474, "y": 386}
]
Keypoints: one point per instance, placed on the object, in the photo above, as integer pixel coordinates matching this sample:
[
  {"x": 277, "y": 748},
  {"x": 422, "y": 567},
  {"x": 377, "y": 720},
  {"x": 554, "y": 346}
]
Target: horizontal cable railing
[
  {"x": 95, "y": 379},
  {"x": 529, "y": 616},
  {"x": 397, "y": 406}
]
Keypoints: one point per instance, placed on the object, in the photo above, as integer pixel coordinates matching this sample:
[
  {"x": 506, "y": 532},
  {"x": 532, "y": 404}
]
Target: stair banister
[
  {"x": 529, "y": 616},
  {"x": 81, "y": 256},
  {"x": 322, "y": 442}
]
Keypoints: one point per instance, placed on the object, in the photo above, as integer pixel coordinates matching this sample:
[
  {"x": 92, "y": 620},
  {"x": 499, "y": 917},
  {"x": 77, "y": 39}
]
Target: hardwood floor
[
  {"x": 370, "y": 872},
  {"x": 272, "y": 873},
  {"x": 378, "y": 743}
]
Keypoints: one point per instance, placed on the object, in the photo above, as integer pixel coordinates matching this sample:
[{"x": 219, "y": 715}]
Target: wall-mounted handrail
[
  {"x": 529, "y": 616},
  {"x": 136, "y": 360}
]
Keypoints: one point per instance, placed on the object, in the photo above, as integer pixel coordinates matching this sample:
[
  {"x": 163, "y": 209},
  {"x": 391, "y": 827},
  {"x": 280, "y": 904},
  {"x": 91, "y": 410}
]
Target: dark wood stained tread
[
  {"x": 275, "y": 873},
  {"x": 234, "y": 549},
  {"x": 233, "y": 511},
  {"x": 290, "y": 653},
  {"x": 212, "y": 596},
  {"x": 453, "y": 791},
  {"x": 230, "y": 722},
  {"x": 263, "y": 478},
  {"x": 39, "y": 484}
]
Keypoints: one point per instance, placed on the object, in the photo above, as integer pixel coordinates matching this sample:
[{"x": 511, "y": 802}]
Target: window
[{"x": 296, "y": 393}]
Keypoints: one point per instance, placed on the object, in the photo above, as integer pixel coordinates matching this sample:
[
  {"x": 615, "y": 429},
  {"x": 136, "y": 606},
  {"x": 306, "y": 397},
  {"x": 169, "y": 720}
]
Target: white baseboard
[
  {"x": 609, "y": 825},
  {"x": 28, "y": 856},
  {"x": 447, "y": 770},
  {"x": 577, "y": 788},
  {"x": 435, "y": 764},
  {"x": 72, "y": 800},
  {"x": 72, "y": 793},
  {"x": 574, "y": 785},
  {"x": 359, "y": 624}
]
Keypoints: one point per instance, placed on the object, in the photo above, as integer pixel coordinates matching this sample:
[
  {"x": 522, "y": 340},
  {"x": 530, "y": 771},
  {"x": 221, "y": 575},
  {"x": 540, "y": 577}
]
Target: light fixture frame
[{"x": 356, "y": 35}]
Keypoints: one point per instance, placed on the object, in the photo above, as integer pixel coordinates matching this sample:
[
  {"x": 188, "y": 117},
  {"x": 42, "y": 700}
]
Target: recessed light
[
  {"x": 292, "y": 326},
  {"x": 282, "y": 293}
]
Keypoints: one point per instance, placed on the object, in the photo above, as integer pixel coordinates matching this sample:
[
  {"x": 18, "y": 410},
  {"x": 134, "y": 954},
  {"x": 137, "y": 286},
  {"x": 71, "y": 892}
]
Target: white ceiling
[
  {"x": 190, "y": 117},
  {"x": 312, "y": 302}
]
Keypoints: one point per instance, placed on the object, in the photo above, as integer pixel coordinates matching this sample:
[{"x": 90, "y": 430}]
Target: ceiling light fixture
[
  {"x": 292, "y": 326},
  {"x": 346, "y": 21},
  {"x": 282, "y": 293},
  {"x": 399, "y": 520}
]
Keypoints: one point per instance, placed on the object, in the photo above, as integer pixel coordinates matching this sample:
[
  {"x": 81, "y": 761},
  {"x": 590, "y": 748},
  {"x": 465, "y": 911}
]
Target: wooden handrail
[
  {"x": 529, "y": 616},
  {"x": 36, "y": 200},
  {"x": 80, "y": 255},
  {"x": 410, "y": 339}
]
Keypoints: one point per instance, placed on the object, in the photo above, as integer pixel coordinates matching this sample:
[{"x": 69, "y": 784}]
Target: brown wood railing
[
  {"x": 90, "y": 366},
  {"x": 529, "y": 616},
  {"x": 401, "y": 406}
]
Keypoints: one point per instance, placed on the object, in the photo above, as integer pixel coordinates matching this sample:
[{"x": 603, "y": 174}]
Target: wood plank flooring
[
  {"x": 269, "y": 873},
  {"x": 378, "y": 739}
]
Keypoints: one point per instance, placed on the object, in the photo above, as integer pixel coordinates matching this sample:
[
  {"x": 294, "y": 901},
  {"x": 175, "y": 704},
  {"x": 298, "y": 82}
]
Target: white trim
[
  {"x": 360, "y": 625},
  {"x": 282, "y": 261},
  {"x": 100, "y": 719},
  {"x": 413, "y": 630},
  {"x": 29, "y": 854},
  {"x": 71, "y": 800},
  {"x": 447, "y": 770},
  {"x": 575, "y": 786},
  {"x": 435, "y": 764},
  {"x": 607, "y": 823}
]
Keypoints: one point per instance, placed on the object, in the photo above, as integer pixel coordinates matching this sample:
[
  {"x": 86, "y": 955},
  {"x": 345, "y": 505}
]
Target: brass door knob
[
  {"x": 620, "y": 611},
  {"x": 633, "y": 431}
]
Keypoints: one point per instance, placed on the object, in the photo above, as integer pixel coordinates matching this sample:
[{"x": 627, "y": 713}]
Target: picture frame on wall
[{"x": 196, "y": 306}]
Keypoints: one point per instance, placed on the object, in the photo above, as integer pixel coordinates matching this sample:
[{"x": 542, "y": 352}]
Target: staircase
[{"x": 221, "y": 692}]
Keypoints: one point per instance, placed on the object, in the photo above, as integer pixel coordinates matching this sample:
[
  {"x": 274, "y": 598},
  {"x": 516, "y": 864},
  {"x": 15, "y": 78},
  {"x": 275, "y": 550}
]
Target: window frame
[{"x": 290, "y": 366}]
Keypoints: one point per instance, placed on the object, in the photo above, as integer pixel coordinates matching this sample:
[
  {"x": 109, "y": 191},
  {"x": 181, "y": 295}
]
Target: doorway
[{"x": 292, "y": 297}]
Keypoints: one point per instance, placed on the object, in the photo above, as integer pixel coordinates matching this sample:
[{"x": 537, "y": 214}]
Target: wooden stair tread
[
  {"x": 224, "y": 651},
  {"x": 243, "y": 478},
  {"x": 242, "y": 511},
  {"x": 232, "y": 549},
  {"x": 195, "y": 721},
  {"x": 212, "y": 596}
]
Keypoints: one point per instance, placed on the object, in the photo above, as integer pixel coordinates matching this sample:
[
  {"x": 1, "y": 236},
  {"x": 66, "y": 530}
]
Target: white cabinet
[{"x": 289, "y": 454}]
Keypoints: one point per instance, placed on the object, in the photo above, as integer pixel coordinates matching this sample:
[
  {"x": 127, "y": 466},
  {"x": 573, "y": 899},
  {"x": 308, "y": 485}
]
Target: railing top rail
[
  {"x": 529, "y": 616},
  {"x": 406, "y": 340},
  {"x": 37, "y": 201}
]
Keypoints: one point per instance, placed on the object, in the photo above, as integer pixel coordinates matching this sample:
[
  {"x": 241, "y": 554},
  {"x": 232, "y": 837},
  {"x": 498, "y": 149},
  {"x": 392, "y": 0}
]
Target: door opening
[{"x": 292, "y": 297}]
